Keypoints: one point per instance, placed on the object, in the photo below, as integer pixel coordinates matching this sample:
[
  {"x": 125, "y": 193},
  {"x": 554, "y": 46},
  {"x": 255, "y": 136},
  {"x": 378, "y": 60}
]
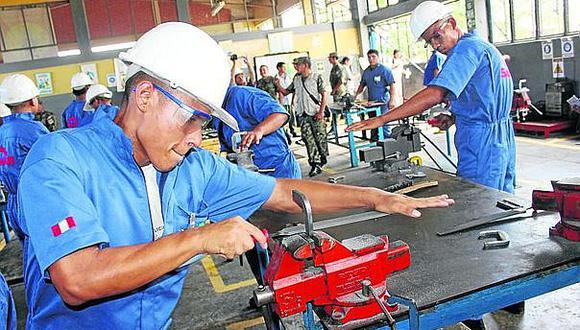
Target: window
[
  {"x": 293, "y": 16},
  {"x": 326, "y": 11},
  {"x": 501, "y": 21},
  {"x": 551, "y": 17},
  {"x": 120, "y": 22},
  {"x": 573, "y": 17},
  {"x": 27, "y": 32},
  {"x": 524, "y": 21}
]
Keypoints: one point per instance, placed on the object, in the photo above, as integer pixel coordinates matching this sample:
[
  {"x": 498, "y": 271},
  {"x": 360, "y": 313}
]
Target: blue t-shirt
[
  {"x": 377, "y": 80},
  {"x": 251, "y": 106},
  {"x": 74, "y": 115},
  {"x": 93, "y": 193},
  {"x": 480, "y": 89},
  {"x": 435, "y": 63},
  {"x": 17, "y": 135},
  {"x": 7, "y": 307}
]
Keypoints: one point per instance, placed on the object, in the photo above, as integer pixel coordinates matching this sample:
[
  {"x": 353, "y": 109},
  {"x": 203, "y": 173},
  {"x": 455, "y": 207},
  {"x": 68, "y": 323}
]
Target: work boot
[
  {"x": 323, "y": 161},
  {"x": 517, "y": 309},
  {"x": 474, "y": 324},
  {"x": 316, "y": 169}
]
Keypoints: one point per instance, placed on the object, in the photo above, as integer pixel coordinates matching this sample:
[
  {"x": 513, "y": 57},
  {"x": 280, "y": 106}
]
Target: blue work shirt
[
  {"x": 480, "y": 89},
  {"x": 251, "y": 106},
  {"x": 74, "y": 115},
  {"x": 17, "y": 135},
  {"x": 94, "y": 192},
  {"x": 377, "y": 81},
  {"x": 7, "y": 306},
  {"x": 435, "y": 63}
]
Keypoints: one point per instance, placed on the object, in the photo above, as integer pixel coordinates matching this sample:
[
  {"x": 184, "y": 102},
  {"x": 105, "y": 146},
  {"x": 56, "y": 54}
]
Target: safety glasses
[
  {"x": 436, "y": 36},
  {"x": 186, "y": 115}
]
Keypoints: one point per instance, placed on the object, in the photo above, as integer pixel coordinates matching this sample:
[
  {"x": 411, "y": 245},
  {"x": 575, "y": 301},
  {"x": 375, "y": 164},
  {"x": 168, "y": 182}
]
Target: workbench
[
  {"x": 337, "y": 110},
  {"x": 452, "y": 278}
]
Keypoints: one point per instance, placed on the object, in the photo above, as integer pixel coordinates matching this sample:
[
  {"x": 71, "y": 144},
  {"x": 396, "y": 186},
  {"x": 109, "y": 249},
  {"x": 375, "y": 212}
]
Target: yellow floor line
[
  {"x": 216, "y": 280},
  {"x": 2, "y": 244},
  {"x": 547, "y": 143},
  {"x": 245, "y": 324},
  {"x": 328, "y": 170}
]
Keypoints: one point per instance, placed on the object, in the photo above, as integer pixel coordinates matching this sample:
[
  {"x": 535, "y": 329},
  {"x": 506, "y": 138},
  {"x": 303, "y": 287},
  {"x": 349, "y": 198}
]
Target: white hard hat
[
  {"x": 425, "y": 14},
  {"x": 4, "y": 110},
  {"x": 97, "y": 90},
  {"x": 16, "y": 89},
  {"x": 188, "y": 59},
  {"x": 79, "y": 80}
]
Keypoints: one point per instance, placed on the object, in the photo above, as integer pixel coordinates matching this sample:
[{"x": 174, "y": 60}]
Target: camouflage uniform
[
  {"x": 338, "y": 76},
  {"x": 267, "y": 85},
  {"x": 313, "y": 131},
  {"x": 47, "y": 118}
]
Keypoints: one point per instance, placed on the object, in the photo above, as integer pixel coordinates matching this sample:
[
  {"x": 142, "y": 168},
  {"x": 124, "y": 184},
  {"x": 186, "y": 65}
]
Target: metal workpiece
[
  {"x": 263, "y": 295},
  {"x": 244, "y": 159},
  {"x": 299, "y": 198},
  {"x": 502, "y": 239}
]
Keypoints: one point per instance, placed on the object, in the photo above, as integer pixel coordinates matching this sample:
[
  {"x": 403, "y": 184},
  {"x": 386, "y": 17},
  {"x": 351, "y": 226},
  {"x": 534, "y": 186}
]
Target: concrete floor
[{"x": 216, "y": 292}]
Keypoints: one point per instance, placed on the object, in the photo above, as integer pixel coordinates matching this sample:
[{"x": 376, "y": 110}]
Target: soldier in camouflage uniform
[
  {"x": 308, "y": 87},
  {"x": 266, "y": 83},
  {"x": 338, "y": 77}
]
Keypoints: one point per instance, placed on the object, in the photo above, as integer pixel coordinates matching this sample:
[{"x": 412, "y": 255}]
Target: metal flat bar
[
  {"x": 346, "y": 220},
  {"x": 494, "y": 298},
  {"x": 481, "y": 221}
]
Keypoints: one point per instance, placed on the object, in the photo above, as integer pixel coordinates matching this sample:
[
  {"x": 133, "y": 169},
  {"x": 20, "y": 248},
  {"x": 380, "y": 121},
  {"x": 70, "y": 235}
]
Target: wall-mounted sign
[
  {"x": 44, "y": 83},
  {"x": 547, "y": 50},
  {"x": 558, "y": 68},
  {"x": 567, "y": 47}
]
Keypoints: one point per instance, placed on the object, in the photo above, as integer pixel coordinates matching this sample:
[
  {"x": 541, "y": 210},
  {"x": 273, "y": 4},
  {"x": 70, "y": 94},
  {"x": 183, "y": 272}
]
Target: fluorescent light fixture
[
  {"x": 122, "y": 45},
  {"x": 70, "y": 52},
  {"x": 215, "y": 9}
]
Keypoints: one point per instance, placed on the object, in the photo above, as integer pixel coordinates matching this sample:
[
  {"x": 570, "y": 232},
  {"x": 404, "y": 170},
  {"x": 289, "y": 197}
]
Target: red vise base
[
  {"x": 328, "y": 273},
  {"x": 565, "y": 199}
]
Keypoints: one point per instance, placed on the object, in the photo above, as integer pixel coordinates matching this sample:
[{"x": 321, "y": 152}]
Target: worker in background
[
  {"x": 380, "y": 84},
  {"x": 349, "y": 75},
  {"x": 477, "y": 81},
  {"x": 118, "y": 216},
  {"x": 262, "y": 118},
  {"x": 311, "y": 101},
  {"x": 285, "y": 100},
  {"x": 266, "y": 82},
  {"x": 47, "y": 118},
  {"x": 7, "y": 306},
  {"x": 398, "y": 69},
  {"x": 97, "y": 95},
  {"x": 238, "y": 76},
  {"x": 434, "y": 65},
  {"x": 338, "y": 77},
  {"x": 17, "y": 135},
  {"x": 73, "y": 115}
]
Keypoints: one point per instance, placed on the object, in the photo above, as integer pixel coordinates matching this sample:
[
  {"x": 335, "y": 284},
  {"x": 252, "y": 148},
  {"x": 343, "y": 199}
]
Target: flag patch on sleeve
[{"x": 63, "y": 226}]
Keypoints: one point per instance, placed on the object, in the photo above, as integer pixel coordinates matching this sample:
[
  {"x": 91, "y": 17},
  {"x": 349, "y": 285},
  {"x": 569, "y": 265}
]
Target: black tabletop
[{"x": 448, "y": 267}]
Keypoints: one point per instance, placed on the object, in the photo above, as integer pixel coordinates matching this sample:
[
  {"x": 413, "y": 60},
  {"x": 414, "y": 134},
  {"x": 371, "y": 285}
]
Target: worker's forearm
[
  {"x": 95, "y": 273},
  {"x": 324, "y": 197},
  {"x": 359, "y": 90},
  {"x": 323, "y": 102},
  {"x": 272, "y": 123},
  {"x": 420, "y": 102}
]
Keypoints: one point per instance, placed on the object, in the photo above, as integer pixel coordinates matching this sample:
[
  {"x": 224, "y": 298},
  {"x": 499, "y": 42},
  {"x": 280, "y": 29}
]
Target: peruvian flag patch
[{"x": 63, "y": 226}]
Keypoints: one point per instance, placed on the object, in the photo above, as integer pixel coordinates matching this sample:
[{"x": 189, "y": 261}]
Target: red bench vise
[
  {"x": 346, "y": 282},
  {"x": 565, "y": 199}
]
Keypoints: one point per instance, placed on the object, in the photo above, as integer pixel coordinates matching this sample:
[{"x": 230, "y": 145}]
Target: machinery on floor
[
  {"x": 344, "y": 282},
  {"x": 565, "y": 199}
]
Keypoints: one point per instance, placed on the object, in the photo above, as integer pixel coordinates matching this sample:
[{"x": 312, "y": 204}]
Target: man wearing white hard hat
[
  {"x": 126, "y": 201},
  {"x": 97, "y": 95},
  {"x": 477, "y": 82},
  {"x": 73, "y": 115},
  {"x": 17, "y": 135}
]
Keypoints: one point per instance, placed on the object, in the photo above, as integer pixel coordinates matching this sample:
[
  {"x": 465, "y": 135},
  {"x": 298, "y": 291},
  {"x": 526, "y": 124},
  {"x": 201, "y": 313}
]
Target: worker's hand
[
  {"x": 230, "y": 238},
  {"x": 252, "y": 137},
  {"x": 444, "y": 121},
  {"x": 319, "y": 115},
  {"x": 408, "y": 206},
  {"x": 366, "y": 124},
  {"x": 245, "y": 60}
]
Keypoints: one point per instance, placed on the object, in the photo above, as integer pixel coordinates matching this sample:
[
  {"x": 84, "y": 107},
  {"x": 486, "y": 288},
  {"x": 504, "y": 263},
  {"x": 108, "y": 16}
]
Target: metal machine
[
  {"x": 564, "y": 199},
  {"x": 391, "y": 154},
  {"x": 556, "y": 95},
  {"x": 344, "y": 282}
]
